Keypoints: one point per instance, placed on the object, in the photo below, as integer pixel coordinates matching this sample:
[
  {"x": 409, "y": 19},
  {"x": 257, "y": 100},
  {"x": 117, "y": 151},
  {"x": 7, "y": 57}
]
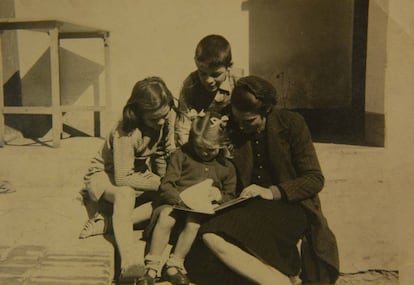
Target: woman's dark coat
[{"x": 295, "y": 169}]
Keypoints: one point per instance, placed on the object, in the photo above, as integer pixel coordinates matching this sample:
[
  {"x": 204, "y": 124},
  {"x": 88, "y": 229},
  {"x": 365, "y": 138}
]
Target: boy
[{"x": 209, "y": 87}]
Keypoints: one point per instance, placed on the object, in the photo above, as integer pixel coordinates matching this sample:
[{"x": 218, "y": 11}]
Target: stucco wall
[
  {"x": 399, "y": 139},
  {"x": 147, "y": 38}
]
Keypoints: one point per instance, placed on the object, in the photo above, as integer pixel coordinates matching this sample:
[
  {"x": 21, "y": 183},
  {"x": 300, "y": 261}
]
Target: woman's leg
[
  {"x": 123, "y": 199},
  {"x": 243, "y": 263}
]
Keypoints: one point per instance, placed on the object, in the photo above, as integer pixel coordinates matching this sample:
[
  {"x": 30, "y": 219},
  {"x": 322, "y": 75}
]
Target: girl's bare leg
[
  {"x": 186, "y": 238},
  {"x": 141, "y": 213},
  {"x": 123, "y": 199},
  {"x": 161, "y": 233}
]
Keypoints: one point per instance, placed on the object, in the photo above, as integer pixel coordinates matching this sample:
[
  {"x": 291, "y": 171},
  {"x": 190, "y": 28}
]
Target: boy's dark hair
[
  {"x": 147, "y": 95},
  {"x": 214, "y": 51},
  {"x": 265, "y": 95}
]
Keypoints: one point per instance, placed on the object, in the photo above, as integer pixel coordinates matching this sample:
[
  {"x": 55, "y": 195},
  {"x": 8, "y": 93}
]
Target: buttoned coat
[{"x": 294, "y": 167}]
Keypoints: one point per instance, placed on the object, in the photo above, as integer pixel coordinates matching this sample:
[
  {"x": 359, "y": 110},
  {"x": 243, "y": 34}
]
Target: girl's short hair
[
  {"x": 209, "y": 129},
  {"x": 148, "y": 95},
  {"x": 214, "y": 51},
  {"x": 265, "y": 95}
]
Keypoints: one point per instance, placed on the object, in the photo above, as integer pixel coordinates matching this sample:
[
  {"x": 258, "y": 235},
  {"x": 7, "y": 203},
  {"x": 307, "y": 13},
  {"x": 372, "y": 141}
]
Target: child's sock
[
  {"x": 153, "y": 262},
  {"x": 295, "y": 280},
  {"x": 174, "y": 261}
]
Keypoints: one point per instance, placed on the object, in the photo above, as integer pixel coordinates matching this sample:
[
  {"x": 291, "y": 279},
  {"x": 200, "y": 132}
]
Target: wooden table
[{"x": 57, "y": 30}]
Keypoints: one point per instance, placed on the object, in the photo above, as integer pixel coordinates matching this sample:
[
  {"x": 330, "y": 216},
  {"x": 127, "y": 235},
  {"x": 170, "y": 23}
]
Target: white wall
[
  {"x": 399, "y": 114},
  {"x": 147, "y": 37}
]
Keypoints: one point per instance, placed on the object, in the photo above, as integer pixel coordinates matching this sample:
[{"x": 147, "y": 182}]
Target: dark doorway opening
[{"x": 314, "y": 52}]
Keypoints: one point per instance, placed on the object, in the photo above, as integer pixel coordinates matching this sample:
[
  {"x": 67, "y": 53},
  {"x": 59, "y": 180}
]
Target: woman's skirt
[{"x": 269, "y": 230}]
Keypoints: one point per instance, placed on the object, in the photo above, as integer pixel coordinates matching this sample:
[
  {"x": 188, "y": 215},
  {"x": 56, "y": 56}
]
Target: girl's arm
[
  {"x": 229, "y": 183},
  {"x": 165, "y": 148},
  {"x": 124, "y": 158},
  {"x": 168, "y": 188}
]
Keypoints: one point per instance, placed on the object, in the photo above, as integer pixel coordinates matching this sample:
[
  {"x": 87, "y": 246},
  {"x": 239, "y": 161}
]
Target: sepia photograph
[{"x": 206, "y": 142}]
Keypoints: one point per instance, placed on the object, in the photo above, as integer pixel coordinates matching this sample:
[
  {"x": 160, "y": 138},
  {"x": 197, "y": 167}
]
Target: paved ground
[{"x": 40, "y": 222}]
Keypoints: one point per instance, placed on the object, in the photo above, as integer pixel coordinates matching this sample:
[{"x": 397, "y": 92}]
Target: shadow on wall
[{"x": 77, "y": 75}]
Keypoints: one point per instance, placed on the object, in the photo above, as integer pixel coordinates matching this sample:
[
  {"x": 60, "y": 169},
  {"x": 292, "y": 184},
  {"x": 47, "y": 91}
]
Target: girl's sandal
[
  {"x": 98, "y": 225},
  {"x": 131, "y": 274}
]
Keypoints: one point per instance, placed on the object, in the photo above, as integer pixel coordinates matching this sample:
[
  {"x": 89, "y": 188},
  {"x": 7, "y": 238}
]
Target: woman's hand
[{"x": 254, "y": 190}]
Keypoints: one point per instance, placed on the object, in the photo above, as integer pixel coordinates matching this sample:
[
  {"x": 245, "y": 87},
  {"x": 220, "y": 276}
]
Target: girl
[
  {"x": 200, "y": 159},
  {"x": 131, "y": 162}
]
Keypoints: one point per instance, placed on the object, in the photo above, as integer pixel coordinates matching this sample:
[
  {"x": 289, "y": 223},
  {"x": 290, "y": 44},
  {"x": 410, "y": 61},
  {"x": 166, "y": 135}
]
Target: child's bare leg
[
  {"x": 159, "y": 241},
  {"x": 161, "y": 233},
  {"x": 175, "y": 263},
  {"x": 187, "y": 237},
  {"x": 123, "y": 199}
]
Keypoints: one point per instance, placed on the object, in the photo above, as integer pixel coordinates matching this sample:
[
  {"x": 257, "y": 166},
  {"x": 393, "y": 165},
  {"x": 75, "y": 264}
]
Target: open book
[{"x": 196, "y": 199}]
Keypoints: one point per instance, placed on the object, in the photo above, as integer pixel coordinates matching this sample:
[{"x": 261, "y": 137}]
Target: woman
[
  {"x": 276, "y": 163},
  {"x": 130, "y": 163}
]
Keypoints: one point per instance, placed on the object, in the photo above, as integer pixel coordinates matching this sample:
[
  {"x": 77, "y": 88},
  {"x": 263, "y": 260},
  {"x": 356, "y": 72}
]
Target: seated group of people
[{"x": 226, "y": 130}]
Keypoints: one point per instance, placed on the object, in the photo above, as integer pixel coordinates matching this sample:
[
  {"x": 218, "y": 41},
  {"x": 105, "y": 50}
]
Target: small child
[
  {"x": 209, "y": 87},
  {"x": 200, "y": 159}
]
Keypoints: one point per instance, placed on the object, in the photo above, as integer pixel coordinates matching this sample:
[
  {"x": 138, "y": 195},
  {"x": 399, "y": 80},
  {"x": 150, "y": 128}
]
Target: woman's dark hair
[
  {"x": 263, "y": 99},
  {"x": 147, "y": 95},
  {"x": 214, "y": 51}
]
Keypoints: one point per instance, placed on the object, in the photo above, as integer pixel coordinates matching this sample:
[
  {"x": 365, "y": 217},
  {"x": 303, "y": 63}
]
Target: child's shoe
[
  {"x": 148, "y": 278},
  {"x": 175, "y": 275}
]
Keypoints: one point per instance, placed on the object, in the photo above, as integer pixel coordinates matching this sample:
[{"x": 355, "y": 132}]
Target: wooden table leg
[
  {"x": 97, "y": 116},
  {"x": 108, "y": 101}
]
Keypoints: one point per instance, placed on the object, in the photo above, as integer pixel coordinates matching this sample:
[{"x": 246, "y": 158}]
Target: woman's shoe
[
  {"x": 98, "y": 225},
  {"x": 177, "y": 278}
]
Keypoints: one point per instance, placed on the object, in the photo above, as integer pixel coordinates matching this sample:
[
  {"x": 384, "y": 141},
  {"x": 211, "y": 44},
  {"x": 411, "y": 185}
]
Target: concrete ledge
[{"x": 46, "y": 212}]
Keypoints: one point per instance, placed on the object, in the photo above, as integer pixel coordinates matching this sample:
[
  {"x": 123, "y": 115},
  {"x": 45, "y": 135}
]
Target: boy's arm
[
  {"x": 185, "y": 112},
  {"x": 182, "y": 129}
]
